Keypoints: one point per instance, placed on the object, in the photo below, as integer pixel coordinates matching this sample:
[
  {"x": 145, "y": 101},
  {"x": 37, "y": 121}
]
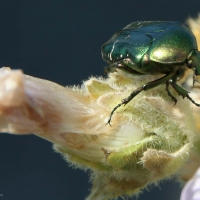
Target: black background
[{"x": 60, "y": 40}]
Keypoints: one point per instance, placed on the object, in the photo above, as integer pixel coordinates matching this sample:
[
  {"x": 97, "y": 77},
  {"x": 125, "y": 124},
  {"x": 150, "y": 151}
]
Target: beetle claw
[
  {"x": 109, "y": 122},
  {"x": 196, "y": 104},
  {"x": 111, "y": 114}
]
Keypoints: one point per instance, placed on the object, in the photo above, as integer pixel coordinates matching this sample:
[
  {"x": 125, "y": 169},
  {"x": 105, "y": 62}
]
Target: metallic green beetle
[{"x": 153, "y": 47}]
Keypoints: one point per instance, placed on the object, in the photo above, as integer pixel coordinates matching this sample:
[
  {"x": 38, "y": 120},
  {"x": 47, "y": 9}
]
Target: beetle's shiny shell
[{"x": 163, "y": 42}]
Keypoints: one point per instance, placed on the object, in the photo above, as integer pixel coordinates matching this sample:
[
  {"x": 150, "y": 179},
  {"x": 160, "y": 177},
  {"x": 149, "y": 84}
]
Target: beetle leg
[
  {"x": 112, "y": 112},
  {"x": 169, "y": 93},
  {"x": 184, "y": 93},
  {"x": 194, "y": 79},
  {"x": 145, "y": 87}
]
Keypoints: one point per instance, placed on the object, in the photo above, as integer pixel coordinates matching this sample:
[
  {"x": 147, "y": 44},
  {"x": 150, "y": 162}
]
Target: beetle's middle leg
[
  {"x": 184, "y": 93},
  {"x": 169, "y": 93},
  {"x": 145, "y": 87}
]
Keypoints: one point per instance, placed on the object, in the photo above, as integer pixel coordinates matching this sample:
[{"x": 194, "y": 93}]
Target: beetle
[{"x": 150, "y": 48}]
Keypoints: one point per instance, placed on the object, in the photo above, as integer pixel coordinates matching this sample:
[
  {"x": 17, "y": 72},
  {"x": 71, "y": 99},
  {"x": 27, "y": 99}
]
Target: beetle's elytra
[{"x": 153, "y": 47}]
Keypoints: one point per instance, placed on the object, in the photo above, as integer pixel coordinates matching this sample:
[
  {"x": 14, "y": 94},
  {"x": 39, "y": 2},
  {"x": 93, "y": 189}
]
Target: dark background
[{"x": 60, "y": 40}]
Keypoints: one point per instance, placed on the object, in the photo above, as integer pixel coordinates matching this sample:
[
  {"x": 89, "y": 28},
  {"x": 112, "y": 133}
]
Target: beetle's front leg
[
  {"x": 112, "y": 112},
  {"x": 145, "y": 87},
  {"x": 125, "y": 101}
]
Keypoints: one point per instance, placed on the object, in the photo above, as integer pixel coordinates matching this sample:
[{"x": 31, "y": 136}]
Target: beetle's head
[{"x": 193, "y": 61}]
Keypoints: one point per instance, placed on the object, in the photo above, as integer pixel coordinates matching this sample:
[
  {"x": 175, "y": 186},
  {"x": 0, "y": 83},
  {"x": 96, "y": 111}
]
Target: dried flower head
[{"x": 149, "y": 140}]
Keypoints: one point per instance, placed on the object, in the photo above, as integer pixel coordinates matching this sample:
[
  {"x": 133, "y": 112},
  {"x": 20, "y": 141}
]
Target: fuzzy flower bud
[{"x": 149, "y": 140}]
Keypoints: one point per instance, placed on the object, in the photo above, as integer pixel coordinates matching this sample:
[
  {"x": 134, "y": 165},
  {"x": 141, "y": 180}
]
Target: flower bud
[{"x": 149, "y": 138}]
